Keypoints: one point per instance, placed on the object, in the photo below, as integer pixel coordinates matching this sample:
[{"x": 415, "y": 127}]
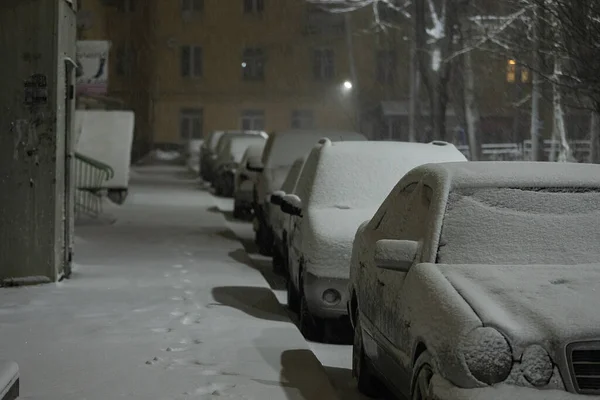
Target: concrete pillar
[{"x": 37, "y": 43}]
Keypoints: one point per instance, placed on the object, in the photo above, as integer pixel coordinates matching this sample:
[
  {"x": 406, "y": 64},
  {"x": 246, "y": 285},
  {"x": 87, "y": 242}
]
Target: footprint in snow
[
  {"x": 189, "y": 292},
  {"x": 178, "y": 298},
  {"x": 186, "y": 281},
  {"x": 162, "y": 330},
  {"x": 184, "y": 271},
  {"x": 175, "y": 349},
  {"x": 214, "y": 389},
  {"x": 177, "y": 313},
  {"x": 153, "y": 361},
  {"x": 177, "y": 266}
]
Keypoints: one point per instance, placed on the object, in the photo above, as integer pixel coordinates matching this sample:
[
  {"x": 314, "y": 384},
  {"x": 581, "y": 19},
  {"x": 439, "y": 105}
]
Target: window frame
[
  {"x": 323, "y": 64},
  {"x": 253, "y": 64},
  {"x": 195, "y": 68},
  {"x": 253, "y": 115},
  {"x": 253, "y": 6},
  {"x": 190, "y": 115}
]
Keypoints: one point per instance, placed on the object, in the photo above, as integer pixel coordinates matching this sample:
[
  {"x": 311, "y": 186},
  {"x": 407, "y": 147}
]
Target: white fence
[{"x": 581, "y": 150}]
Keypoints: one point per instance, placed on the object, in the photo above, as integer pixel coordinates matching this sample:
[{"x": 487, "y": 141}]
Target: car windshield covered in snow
[
  {"x": 237, "y": 146},
  {"x": 521, "y": 226}
]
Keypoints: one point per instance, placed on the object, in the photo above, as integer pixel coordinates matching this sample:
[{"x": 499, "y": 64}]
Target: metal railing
[
  {"x": 89, "y": 175},
  {"x": 581, "y": 150}
]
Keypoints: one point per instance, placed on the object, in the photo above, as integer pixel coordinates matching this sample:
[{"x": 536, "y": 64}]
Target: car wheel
[
  {"x": 311, "y": 327},
  {"x": 265, "y": 241},
  {"x": 368, "y": 384},
  {"x": 292, "y": 297},
  {"x": 238, "y": 213},
  {"x": 421, "y": 382},
  {"x": 277, "y": 262}
]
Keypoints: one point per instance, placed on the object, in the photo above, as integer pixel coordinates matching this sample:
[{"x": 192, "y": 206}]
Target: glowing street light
[{"x": 347, "y": 85}]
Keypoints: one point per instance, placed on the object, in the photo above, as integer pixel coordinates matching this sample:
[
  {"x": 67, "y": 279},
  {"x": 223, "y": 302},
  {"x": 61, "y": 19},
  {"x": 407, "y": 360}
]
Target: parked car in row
[
  {"x": 207, "y": 150},
  {"x": 222, "y": 143},
  {"x": 244, "y": 181},
  {"x": 340, "y": 186},
  {"x": 281, "y": 150},
  {"x": 480, "y": 280},
  {"x": 280, "y": 220},
  {"x": 228, "y": 161}
]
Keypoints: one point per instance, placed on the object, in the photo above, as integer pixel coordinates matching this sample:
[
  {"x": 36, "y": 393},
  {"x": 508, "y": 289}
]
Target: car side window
[{"x": 407, "y": 216}]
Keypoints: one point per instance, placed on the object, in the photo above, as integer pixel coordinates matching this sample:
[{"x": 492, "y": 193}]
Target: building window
[
  {"x": 303, "y": 119},
  {"x": 124, "y": 60},
  {"x": 191, "y": 123},
  {"x": 386, "y": 66},
  {"x": 253, "y": 120},
  {"x": 515, "y": 72},
  {"x": 254, "y": 6},
  {"x": 320, "y": 21},
  {"x": 323, "y": 64},
  {"x": 126, "y": 5},
  {"x": 192, "y": 6},
  {"x": 253, "y": 65},
  {"x": 191, "y": 61}
]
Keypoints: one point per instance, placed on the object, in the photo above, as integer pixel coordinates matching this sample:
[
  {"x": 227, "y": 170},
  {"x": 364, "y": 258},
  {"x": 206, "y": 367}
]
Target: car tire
[
  {"x": 278, "y": 264},
  {"x": 238, "y": 212},
  {"x": 311, "y": 327},
  {"x": 421, "y": 382},
  {"x": 264, "y": 241},
  {"x": 293, "y": 299},
  {"x": 367, "y": 382}
]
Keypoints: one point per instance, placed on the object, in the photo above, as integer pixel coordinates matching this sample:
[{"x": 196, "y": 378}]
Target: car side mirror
[
  {"x": 395, "y": 255},
  {"x": 277, "y": 197},
  {"x": 254, "y": 167},
  {"x": 292, "y": 205}
]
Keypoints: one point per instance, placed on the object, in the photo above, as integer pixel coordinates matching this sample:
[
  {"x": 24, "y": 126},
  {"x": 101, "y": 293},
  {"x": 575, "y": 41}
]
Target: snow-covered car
[
  {"x": 207, "y": 150},
  {"x": 228, "y": 161},
  {"x": 340, "y": 186},
  {"x": 280, "y": 220},
  {"x": 244, "y": 181},
  {"x": 221, "y": 144},
  {"x": 281, "y": 150},
  {"x": 481, "y": 280}
]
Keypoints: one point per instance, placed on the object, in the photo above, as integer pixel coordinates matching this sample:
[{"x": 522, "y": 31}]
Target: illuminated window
[
  {"x": 511, "y": 71},
  {"x": 524, "y": 75}
]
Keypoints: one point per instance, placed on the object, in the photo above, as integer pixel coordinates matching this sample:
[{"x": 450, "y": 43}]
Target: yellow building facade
[{"x": 188, "y": 67}]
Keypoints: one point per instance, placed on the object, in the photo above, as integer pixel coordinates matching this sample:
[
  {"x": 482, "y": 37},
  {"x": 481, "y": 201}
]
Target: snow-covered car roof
[
  {"x": 228, "y": 135},
  {"x": 237, "y": 145},
  {"x": 255, "y": 150},
  {"x": 512, "y": 174},
  {"x": 286, "y": 146},
  {"x": 213, "y": 139},
  {"x": 361, "y": 174}
]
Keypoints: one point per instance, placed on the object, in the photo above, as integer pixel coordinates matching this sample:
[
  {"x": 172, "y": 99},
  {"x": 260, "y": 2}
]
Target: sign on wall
[{"x": 92, "y": 66}]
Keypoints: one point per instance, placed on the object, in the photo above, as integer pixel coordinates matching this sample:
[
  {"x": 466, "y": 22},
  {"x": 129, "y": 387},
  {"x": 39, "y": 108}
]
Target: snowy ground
[
  {"x": 163, "y": 304},
  {"x": 337, "y": 359}
]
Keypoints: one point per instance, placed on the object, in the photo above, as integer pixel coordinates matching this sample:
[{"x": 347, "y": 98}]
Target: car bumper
[
  {"x": 315, "y": 286},
  {"x": 444, "y": 390}
]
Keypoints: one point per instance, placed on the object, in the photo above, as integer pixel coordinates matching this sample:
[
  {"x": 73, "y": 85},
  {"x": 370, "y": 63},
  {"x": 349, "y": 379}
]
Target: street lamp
[{"x": 347, "y": 85}]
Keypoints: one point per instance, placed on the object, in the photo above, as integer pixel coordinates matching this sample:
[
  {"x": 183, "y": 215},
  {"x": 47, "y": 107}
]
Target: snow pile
[{"x": 514, "y": 226}]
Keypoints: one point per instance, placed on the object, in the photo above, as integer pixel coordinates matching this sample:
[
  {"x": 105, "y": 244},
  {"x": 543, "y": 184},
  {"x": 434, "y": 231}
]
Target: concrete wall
[{"x": 35, "y": 36}]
